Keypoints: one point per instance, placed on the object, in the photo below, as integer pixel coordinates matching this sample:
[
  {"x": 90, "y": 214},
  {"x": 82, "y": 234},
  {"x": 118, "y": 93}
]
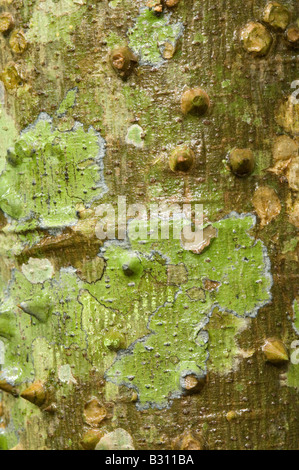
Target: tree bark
[{"x": 149, "y": 344}]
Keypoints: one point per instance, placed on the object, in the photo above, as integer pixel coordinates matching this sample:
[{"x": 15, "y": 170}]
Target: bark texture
[{"x": 148, "y": 345}]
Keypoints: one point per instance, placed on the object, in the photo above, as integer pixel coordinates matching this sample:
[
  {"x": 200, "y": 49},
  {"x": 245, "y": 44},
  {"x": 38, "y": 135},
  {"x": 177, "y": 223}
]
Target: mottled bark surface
[{"x": 191, "y": 350}]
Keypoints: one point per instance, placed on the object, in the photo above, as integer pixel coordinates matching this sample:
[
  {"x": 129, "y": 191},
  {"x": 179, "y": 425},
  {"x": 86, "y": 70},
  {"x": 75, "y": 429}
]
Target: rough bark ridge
[{"x": 149, "y": 345}]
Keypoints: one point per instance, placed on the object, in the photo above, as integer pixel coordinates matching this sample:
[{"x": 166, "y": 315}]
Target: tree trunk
[{"x": 149, "y": 342}]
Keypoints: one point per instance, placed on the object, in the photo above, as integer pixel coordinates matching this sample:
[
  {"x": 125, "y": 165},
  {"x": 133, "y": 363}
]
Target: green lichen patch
[
  {"x": 135, "y": 136},
  {"x": 223, "y": 348},
  {"x": 156, "y": 364},
  {"x": 7, "y": 325},
  {"x": 116, "y": 440},
  {"x": 241, "y": 291},
  {"x": 3, "y": 441},
  {"x": 58, "y": 316},
  {"x": 177, "y": 344},
  {"x": 48, "y": 172},
  {"x": 113, "y": 4},
  {"x": 114, "y": 40},
  {"x": 144, "y": 320},
  {"x": 289, "y": 245},
  {"x": 293, "y": 373},
  {"x": 118, "y": 291},
  {"x": 65, "y": 374},
  {"x": 149, "y": 35},
  {"x": 31, "y": 311},
  {"x": 67, "y": 103},
  {"x": 38, "y": 270},
  {"x": 116, "y": 308},
  {"x": 8, "y": 134}
]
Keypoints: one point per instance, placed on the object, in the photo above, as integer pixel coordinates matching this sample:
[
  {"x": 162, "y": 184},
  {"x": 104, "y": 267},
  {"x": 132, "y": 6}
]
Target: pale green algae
[
  {"x": 150, "y": 33},
  {"x": 135, "y": 136},
  {"x": 55, "y": 20},
  {"x": 289, "y": 245},
  {"x": 38, "y": 270},
  {"x": 48, "y": 172}
]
